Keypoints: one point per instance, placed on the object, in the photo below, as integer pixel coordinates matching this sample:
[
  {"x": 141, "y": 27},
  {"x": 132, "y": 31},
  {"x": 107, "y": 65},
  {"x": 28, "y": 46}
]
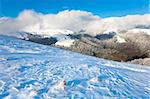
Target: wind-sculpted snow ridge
[{"x": 29, "y": 70}]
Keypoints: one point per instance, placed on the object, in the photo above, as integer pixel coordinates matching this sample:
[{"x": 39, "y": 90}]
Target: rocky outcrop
[
  {"x": 42, "y": 40},
  {"x": 145, "y": 61}
]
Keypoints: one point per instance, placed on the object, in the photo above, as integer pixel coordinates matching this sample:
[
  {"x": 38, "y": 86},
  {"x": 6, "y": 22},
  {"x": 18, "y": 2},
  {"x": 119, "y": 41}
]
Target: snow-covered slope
[
  {"x": 60, "y": 35},
  {"x": 29, "y": 70}
]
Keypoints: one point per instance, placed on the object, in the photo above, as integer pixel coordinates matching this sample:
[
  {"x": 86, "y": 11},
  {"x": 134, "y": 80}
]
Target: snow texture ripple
[{"x": 34, "y": 71}]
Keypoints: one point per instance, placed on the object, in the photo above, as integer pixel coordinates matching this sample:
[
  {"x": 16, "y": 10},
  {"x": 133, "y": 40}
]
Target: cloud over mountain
[{"x": 74, "y": 20}]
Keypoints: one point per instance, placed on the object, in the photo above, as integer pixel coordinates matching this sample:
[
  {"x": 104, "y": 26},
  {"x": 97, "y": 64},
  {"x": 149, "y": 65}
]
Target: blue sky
[{"x": 103, "y": 8}]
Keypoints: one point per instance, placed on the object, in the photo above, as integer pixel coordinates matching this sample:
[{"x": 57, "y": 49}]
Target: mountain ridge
[{"x": 109, "y": 45}]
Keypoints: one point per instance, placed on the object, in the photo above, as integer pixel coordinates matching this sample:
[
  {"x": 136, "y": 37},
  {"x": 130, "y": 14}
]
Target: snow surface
[
  {"x": 29, "y": 70},
  {"x": 120, "y": 39},
  {"x": 49, "y": 32},
  {"x": 65, "y": 43},
  {"x": 146, "y": 31}
]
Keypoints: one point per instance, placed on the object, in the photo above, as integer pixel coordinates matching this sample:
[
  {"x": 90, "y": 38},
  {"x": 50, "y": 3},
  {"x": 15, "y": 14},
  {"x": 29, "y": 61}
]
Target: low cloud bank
[{"x": 73, "y": 20}]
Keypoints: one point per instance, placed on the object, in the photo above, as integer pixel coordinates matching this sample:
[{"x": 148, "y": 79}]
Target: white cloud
[{"x": 74, "y": 20}]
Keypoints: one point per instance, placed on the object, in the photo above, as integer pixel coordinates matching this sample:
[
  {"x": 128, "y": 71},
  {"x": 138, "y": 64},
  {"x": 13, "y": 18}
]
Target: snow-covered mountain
[
  {"x": 114, "y": 45},
  {"x": 64, "y": 40},
  {"x": 59, "y": 34},
  {"x": 143, "y": 31},
  {"x": 29, "y": 70}
]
